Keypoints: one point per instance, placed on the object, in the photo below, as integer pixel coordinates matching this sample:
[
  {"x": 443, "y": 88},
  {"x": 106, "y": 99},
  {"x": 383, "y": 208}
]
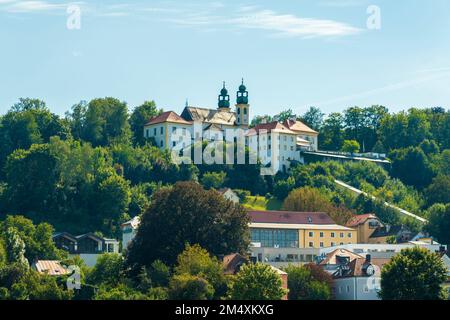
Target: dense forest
[{"x": 92, "y": 169}]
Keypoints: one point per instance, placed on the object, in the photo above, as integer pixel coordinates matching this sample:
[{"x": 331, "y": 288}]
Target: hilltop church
[{"x": 293, "y": 134}]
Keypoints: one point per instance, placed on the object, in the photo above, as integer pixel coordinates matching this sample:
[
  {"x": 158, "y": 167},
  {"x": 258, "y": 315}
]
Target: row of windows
[
  {"x": 272, "y": 238},
  {"x": 333, "y": 234},
  {"x": 322, "y": 245}
]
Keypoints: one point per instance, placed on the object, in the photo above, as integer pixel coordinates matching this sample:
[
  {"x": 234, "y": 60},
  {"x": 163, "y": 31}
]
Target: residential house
[
  {"x": 384, "y": 234},
  {"x": 65, "y": 241},
  {"x": 87, "y": 246},
  {"x": 307, "y": 138},
  {"x": 373, "y": 230},
  {"x": 354, "y": 277}
]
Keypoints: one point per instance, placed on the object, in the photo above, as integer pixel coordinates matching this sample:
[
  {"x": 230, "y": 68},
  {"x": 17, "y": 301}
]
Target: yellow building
[
  {"x": 286, "y": 229},
  {"x": 365, "y": 224}
]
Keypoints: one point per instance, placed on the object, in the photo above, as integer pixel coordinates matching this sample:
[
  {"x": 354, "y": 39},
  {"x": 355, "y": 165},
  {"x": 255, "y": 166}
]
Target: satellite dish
[{"x": 370, "y": 270}]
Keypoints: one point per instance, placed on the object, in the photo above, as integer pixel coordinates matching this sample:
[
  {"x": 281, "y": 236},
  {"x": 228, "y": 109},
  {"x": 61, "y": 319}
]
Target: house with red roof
[{"x": 276, "y": 144}]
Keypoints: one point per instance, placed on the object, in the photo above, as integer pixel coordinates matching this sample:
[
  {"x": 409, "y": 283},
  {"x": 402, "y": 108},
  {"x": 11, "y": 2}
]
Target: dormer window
[{"x": 309, "y": 220}]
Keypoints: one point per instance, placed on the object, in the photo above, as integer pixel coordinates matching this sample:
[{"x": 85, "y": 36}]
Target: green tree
[
  {"x": 160, "y": 273},
  {"x": 106, "y": 121},
  {"x": 107, "y": 270},
  {"x": 312, "y": 200},
  {"x": 285, "y": 115},
  {"x": 439, "y": 190},
  {"x": 15, "y": 247},
  {"x": 37, "y": 239},
  {"x": 414, "y": 274},
  {"x": 350, "y": 146},
  {"x": 331, "y": 134},
  {"x": 26, "y": 124},
  {"x": 313, "y": 118},
  {"x": 303, "y": 284},
  {"x": 19, "y": 282},
  {"x": 406, "y": 161},
  {"x": 189, "y": 287},
  {"x": 256, "y": 282},
  {"x": 213, "y": 180},
  {"x": 31, "y": 178},
  {"x": 282, "y": 188},
  {"x": 186, "y": 213},
  {"x": 196, "y": 261},
  {"x": 439, "y": 222},
  {"x": 140, "y": 116}
]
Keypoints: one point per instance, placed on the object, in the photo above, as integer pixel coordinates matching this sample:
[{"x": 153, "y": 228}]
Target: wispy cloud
[
  {"x": 294, "y": 26},
  {"x": 215, "y": 15},
  {"x": 32, "y": 6},
  {"x": 253, "y": 17},
  {"x": 17, "y": 6}
]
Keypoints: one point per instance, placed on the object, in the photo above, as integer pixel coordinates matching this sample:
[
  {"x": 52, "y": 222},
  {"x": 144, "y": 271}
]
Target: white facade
[
  {"x": 373, "y": 249},
  {"x": 356, "y": 288},
  {"x": 129, "y": 230}
]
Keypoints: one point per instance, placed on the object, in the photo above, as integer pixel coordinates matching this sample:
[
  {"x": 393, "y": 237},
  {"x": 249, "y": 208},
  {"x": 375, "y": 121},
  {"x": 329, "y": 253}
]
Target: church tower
[
  {"x": 224, "y": 99},
  {"x": 242, "y": 106}
]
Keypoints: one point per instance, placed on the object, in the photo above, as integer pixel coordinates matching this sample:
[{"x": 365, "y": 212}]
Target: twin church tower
[{"x": 242, "y": 106}]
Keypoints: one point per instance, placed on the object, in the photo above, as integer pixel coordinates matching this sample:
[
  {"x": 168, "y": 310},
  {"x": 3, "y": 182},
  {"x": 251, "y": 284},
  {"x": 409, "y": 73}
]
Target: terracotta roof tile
[
  {"x": 290, "y": 217},
  {"x": 269, "y": 127},
  {"x": 50, "y": 267},
  {"x": 356, "y": 220},
  {"x": 168, "y": 116},
  {"x": 298, "y": 126}
]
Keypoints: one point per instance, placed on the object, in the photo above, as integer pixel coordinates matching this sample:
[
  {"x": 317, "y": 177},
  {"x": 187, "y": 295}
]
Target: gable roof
[
  {"x": 50, "y": 267},
  {"x": 233, "y": 262},
  {"x": 357, "y": 220},
  {"x": 216, "y": 116},
  {"x": 133, "y": 223},
  {"x": 168, "y": 116},
  {"x": 274, "y": 126},
  {"x": 298, "y": 126},
  {"x": 89, "y": 235},
  {"x": 64, "y": 235},
  {"x": 357, "y": 268},
  {"x": 386, "y": 231},
  {"x": 331, "y": 257},
  {"x": 290, "y": 217}
]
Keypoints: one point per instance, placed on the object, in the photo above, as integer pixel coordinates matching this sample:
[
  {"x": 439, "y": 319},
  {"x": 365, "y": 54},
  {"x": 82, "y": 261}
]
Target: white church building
[{"x": 170, "y": 130}]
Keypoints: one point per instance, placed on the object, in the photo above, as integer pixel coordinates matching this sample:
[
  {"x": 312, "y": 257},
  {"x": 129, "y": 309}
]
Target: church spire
[
  {"x": 224, "y": 98},
  {"x": 242, "y": 94}
]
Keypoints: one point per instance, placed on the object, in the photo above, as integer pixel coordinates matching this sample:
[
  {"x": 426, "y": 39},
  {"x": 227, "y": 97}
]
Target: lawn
[{"x": 259, "y": 203}]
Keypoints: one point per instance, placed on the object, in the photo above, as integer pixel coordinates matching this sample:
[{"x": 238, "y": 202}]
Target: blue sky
[{"x": 292, "y": 54}]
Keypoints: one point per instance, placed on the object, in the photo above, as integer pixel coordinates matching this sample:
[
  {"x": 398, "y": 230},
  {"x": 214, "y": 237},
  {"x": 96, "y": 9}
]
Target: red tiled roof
[
  {"x": 290, "y": 217},
  {"x": 168, "y": 116},
  {"x": 50, "y": 267},
  {"x": 331, "y": 257},
  {"x": 360, "y": 219},
  {"x": 298, "y": 126},
  {"x": 268, "y": 127}
]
